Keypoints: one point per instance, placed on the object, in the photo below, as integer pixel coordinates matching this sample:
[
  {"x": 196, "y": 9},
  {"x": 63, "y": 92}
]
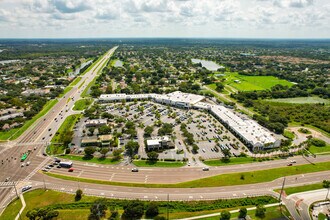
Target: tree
[
  {"x": 153, "y": 156},
  {"x": 242, "y": 213},
  {"x": 98, "y": 210},
  {"x": 133, "y": 210},
  {"x": 326, "y": 184},
  {"x": 131, "y": 148},
  {"x": 117, "y": 154},
  {"x": 32, "y": 214},
  {"x": 219, "y": 86},
  {"x": 78, "y": 196},
  {"x": 152, "y": 210},
  {"x": 165, "y": 129},
  {"x": 104, "y": 151},
  {"x": 260, "y": 211},
  {"x": 225, "y": 215},
  {"x": 114, "y": 215},
  {"x": 148, "y": 130},
  {"x": 104, "y": 129},
  {"x": 89, "y": 151},
  {"x": 91, "y": 130}
]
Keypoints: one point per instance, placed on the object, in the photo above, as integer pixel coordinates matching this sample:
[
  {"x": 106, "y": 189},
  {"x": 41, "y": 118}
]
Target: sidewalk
[{"x": 23, "y": 207}]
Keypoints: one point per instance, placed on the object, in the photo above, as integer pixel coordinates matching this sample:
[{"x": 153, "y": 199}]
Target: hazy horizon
[{"x": 224, "y": 19}]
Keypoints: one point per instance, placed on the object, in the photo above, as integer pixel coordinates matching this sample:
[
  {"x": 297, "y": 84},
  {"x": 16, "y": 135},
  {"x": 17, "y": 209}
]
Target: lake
[
  {"x": 118, "y": 63},
  {"x": 8, "y": 61},
  {"x": 210, "y": 65}
]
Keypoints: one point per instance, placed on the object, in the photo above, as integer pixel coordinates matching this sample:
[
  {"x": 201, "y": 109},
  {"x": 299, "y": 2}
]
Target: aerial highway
[{"x": 39, "y": 135}]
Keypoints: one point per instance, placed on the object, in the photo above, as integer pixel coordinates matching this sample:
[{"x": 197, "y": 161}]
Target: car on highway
[
  {"x": 7, "y": 179},
  {"x": 44, "y": 169},
  {"x": 135, "y": 169},
  {"x": 23, "y": 165},
  {"x": 289, "y": 164},
  {"x": 28, "y": 163},
  {"x": 26, "y": 188},
  {"x": 70, "y": 170},
  {"x": 58, "y": 166},
  {"x": 44, "y": 154},
  {"x": 206, "y": 169},
  {"x": 293, "y": 161}
]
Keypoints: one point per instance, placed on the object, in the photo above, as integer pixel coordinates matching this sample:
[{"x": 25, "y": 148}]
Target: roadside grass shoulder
[
  {"x": 12, "y": 209},
  {"x": 70, "y": 209},
  {"x": 320, "y": 150},
  {"x": 230, "y": 179},
  {"x": 100, "y": 160},
  {"x": 146, "y": 163},
  {"x": 288, "y": 134},
  {"x": 76, "y": 81},
  {"x": 67, "y": 126},
  {"x": 234, "y": 160},
  {"x": 298, "y": 189},
  {"x": 15, "y": 133},
  {"x": 82, "y": 104}
]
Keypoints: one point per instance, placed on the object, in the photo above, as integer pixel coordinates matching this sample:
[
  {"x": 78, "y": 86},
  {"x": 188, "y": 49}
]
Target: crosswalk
[{"x": 7, "y": 184}]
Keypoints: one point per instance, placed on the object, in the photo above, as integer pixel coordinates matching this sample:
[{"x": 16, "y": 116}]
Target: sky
[{"x": 165, "y": 18}]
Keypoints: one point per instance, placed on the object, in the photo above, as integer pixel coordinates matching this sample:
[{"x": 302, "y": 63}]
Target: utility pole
[{"x": 280, "y": 198}]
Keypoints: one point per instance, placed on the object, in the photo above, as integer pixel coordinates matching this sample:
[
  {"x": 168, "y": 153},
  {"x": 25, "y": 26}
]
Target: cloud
[
  {"x": 70, "y": 6},
  {"x": 293, "y": 3}
]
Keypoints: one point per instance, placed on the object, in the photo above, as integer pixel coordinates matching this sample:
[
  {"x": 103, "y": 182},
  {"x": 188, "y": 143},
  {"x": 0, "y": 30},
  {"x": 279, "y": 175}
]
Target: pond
[
  {"x": 210, "y": 65},
  {"x": 8, "y": 61},
  {"x": 118, "y": 63}
]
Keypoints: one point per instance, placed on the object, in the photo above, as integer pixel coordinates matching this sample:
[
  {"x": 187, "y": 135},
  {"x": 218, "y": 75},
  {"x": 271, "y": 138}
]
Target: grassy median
[
  {"x": 230, "y": 179},
  {"x": 82, "y": 104},
  {"x": 147, "y": 163}
]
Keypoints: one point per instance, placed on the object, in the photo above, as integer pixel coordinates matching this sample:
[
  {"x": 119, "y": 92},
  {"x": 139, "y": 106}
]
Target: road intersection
[{"x": 41, "y": 133}]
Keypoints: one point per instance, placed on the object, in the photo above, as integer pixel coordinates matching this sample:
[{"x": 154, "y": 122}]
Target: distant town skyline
[{"x": 165, "y": 18}]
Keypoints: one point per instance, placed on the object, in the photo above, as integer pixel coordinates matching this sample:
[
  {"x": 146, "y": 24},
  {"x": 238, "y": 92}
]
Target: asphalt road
[
  {"x": 40, "y": 134},
  {"x": 43, "y": 130}
]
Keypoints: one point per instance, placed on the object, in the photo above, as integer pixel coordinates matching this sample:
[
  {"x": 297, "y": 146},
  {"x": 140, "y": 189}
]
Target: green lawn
[
  {"x": 76, "y": 81},
  {"x": 65, "y": 91},
  {"x": 66, "y": 126},
  {"x": 233, "y": 160},
  {"x": 288, "y": 134},
  {"x": 230, "y": 179},
  {"x": 70, "y": 209},
  {"x": 146, "y": 163},
  {"x": 251, "y": 83},
  {"x": 271, "y": 214},
  {"x": 82, "y": 104},
  {"x": 86, "y": 90},
  {"x": 301, "y": 100},
  {"x": 297, "y": 189},
  {"x": 320, "y": 150},
  {"x": 92, "y": 160},
  {"x": 12, "y": 210},
  {"x": 15, "y": 133}
]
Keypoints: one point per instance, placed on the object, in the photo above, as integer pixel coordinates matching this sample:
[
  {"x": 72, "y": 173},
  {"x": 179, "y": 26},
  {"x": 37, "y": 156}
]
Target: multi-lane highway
[{"x": 40, "y": 134}]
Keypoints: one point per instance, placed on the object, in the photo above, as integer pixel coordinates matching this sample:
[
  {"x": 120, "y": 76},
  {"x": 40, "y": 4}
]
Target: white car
[
  {"x": 26, "y": 188},
  {"x": 293, "y": 161},
  {"x": 28, "y": 163},
  {"x": 23, "y": 164}
]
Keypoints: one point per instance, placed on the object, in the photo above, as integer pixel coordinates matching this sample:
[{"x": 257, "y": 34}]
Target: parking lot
[{"x": 210, "y": 136}]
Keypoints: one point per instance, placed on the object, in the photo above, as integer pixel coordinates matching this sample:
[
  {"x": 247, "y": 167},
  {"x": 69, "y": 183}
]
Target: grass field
[
  {"x": 288, "y": 134},
  {"x": 66, "y": 126},
  {"x": 82, "y": 104},
  {"x": 251, "y": 83},
  {"x": 15, "y": 133},
  {"x": 301, "y": 100},
  {"x": 12, "y": 210},
  {"x": 70, "y": 209},
  {"x": 220, "y": 180},
  {"x": 75, "y": 82},
  {"x": 320, "y": 150},
  {"x": 234, "y": 160},
  {"x": 146, "y": 163},
  {"x": 92, "y": 160},
  {"x": 298, "y": 189}
]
